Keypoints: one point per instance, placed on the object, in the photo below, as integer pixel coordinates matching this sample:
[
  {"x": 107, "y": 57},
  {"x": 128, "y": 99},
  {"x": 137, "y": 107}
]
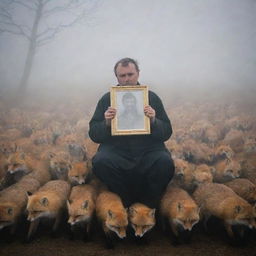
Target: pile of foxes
[{"x": 45, "y": 172}]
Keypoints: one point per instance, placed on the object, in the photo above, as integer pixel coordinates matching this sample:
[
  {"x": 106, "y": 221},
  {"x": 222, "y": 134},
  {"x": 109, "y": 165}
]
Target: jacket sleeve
[
  {"x": 99, "y": 132},
  {"x": 161, "y": 129}
]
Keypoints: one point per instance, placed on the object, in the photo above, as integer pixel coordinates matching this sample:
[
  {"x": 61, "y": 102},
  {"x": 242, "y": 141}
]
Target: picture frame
[{"x": 129, "y": 101}]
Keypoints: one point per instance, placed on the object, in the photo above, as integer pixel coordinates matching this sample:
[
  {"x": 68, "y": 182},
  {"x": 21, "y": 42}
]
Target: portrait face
[
  {"x": 129, "y": 102},
  {"x": 127, "y": 75}
]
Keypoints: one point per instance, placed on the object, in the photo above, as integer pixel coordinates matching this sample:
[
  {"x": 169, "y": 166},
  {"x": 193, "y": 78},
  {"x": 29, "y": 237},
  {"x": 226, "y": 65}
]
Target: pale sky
[{"x": 178, "y": 43}]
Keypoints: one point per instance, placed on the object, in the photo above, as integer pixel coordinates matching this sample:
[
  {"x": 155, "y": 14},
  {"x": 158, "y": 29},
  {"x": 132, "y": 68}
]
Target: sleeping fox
[
  {"x": 49, "y": 201},
  {"x": 112, "y": 215},
  {"x": 141, "y": 218},
  {"x": 180, "y": 211}
]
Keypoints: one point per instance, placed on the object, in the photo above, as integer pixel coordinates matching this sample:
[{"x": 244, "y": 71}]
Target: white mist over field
[{"x": 185, "y": 46}]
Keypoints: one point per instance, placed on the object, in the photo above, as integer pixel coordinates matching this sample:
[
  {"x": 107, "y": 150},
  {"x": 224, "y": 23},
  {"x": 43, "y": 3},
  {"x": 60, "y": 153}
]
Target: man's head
[{"x": 127, "y": 72}]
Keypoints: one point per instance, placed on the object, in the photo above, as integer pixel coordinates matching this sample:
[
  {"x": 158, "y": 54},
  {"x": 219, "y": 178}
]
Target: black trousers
[{"x": 135, "y": 179}]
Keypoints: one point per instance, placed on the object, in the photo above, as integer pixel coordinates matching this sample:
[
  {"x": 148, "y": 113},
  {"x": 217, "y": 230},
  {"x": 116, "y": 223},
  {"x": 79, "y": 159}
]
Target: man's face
[{"x": 127, "y": 75}]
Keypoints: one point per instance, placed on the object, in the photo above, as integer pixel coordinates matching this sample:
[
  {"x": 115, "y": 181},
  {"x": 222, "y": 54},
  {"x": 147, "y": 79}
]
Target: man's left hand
[{"x": 151, "y": 113}]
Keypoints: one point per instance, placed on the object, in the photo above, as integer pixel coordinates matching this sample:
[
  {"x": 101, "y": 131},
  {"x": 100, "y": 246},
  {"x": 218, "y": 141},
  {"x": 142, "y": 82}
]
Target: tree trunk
[{"x": 31, "y": 51}]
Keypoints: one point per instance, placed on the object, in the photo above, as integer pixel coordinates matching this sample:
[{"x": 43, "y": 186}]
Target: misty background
[{"x": 180, "y": 45}]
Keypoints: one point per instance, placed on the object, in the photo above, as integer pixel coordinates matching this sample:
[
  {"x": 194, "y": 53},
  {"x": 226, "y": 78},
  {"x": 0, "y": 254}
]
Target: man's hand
[
  {"x": 109, "y": 114},
  {"x": 151, "y": 113}
]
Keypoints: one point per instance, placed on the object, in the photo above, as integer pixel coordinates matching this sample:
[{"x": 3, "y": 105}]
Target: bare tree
[{"x": 44, "y": 19}]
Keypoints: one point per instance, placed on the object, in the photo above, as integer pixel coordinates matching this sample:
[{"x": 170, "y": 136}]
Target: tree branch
[{"x": 24, "y": 5}]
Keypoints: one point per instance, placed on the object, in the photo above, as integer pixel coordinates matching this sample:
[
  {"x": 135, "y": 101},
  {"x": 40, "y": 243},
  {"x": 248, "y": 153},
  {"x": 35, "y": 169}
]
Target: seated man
[{"x": 136, "y": 167}]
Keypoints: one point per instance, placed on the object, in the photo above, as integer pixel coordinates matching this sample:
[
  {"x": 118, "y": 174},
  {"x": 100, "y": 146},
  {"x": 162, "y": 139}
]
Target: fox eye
[{"x": 76, "y": 176}]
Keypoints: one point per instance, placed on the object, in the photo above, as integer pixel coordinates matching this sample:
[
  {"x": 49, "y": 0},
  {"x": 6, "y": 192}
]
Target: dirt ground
[{"x": 212, "y": 244}]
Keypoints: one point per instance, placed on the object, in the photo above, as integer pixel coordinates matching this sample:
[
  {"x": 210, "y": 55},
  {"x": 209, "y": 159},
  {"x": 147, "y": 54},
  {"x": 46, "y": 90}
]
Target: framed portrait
[{"x": 129, "y": 101}]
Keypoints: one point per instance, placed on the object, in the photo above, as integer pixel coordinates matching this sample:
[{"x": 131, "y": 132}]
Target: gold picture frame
[{"x": 129, "y": 101}]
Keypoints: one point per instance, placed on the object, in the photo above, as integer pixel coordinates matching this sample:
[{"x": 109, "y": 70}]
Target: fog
[{"x": 179, "y": 44}]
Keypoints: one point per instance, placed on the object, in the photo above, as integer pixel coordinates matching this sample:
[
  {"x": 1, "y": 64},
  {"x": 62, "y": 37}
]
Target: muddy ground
[{"x": 213, "y": 243}]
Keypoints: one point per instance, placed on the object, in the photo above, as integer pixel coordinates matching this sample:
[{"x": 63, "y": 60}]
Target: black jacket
[{"x": 161, "y": 129}]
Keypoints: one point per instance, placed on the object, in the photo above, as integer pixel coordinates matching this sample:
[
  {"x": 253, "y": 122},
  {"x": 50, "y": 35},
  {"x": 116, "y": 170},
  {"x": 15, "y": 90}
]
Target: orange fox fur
[
  {"x": 179, "y": 208},
  {"x": 141, "y": 218},
  {"x": 111, "y": 213},
  {"x": 222, "y": 202},
  {"x": 49, "y": 201}
]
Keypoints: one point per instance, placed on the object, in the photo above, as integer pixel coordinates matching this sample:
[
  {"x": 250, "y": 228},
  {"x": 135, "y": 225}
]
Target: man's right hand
[{"x": 109, "y": 114}]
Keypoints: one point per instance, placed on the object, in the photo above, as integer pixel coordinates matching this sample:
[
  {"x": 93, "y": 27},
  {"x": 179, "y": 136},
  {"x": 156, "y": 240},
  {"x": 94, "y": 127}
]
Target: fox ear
[
  {"x": 179, "y": 206},
  {"x": 238, "y": 208},
  {"x": 44, "y": 201},
  {"x": 10, "y": 211},
  {"x": 29, "y": 193},
  {"x": 85, "y": 204},
  {"x": 68, "y": 203},
  {"x": 152, "y": 213},
  {"x": 51, "y": 154},
  {"x": 132, "y": 211},
  {"x": 110, "y": 214}
]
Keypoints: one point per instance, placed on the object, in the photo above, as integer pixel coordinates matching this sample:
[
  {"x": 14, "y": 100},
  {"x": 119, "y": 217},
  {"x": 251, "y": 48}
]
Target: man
[
  {"x": 130, "y": 118},
  {"x": 136, "y": 167}
]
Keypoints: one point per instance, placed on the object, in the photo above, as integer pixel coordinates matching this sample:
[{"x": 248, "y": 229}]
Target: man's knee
[{"x": 165, "y": 165}]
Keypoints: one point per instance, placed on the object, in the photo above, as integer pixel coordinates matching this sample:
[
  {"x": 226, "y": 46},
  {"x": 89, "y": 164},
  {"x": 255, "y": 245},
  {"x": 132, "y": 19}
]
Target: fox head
[
  {"x": 79, "y": 211},
  {"x": 232, "y": 170},
  {"x": 59, "y": 166},
  {"x": 187, "y": 215},
  {"x": 17, "y": 163},
  {"x": 8, "y": 214},
  {"x": 203, "y": 174},
  {"x": 79, "y": 173},
  {"x": 38, "y": 206},
  {"x": 238, "y": 211},
  {"x": 224, "y": 152},
  {"x": 180, "y": 167},
  {"x": 142, "y": 219},
  {"x": 117, "y": 222}
]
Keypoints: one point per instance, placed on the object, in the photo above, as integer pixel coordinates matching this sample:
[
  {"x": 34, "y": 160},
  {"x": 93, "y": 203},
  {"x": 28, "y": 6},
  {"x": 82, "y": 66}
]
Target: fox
[
  {"x": 60, "y": 164},
  {"x": 227, "y": 170},
  {"x": 179, "y": 210},
  {"x": 80, "y": 173},
  {"x": 141, "y": 218},
  {"x": 15, "y": 167},
  {"x": 41, "y": 172},
  {"x": 244, "y": 188},
  {"x": 20, "y": 162},
  {"x": 197, "y": 152},
  {"x": 211, "y": 136},
  {"x": 112, "y": 215},
  {"x": 81, "y": 207},
  {"x": 218, "y": 200},
  {"x": 183, "y": 176},
  {"x": 3, "y": 171},
  {"x": 13, "y": 202},
  {"x": 223, "y": 152},
  {"x": 202, "y": 174},
  {"x": 49, "y": 201}
]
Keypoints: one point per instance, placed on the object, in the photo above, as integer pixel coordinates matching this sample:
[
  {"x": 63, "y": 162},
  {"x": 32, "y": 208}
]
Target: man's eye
[{"x": 130, "y": 74}]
